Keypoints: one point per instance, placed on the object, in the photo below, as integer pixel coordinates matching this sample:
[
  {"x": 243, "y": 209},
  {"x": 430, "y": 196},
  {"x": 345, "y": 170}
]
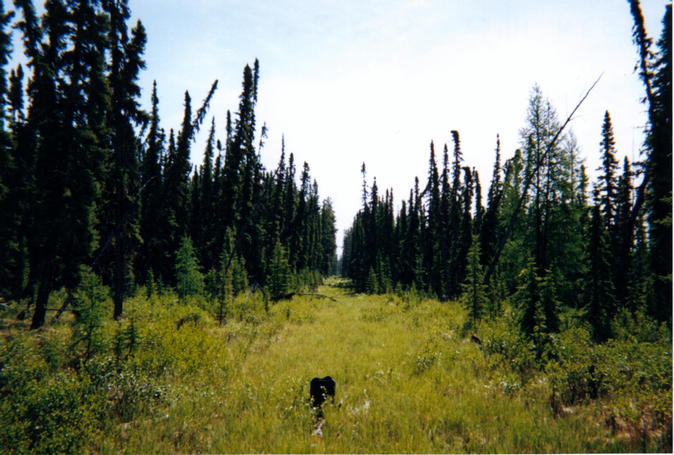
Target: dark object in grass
[
  {"x": 193, "y": 318},
  {"x": 320, "y": 389},
  {"x": 476, "y": 340}
]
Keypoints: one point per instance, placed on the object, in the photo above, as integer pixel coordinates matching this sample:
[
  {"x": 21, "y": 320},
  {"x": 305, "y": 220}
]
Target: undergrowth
[{"x": 170, "y": 377}]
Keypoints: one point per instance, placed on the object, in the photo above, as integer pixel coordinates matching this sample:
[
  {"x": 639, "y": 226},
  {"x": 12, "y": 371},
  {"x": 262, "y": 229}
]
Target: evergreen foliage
[
  {"x": 279, "y": 273},
  {"x": 474, "y": 289},
  {"x": 189, "y": 280},
  {"x": 547, "y": 247},
  {"x": 92, "y": 184},
  {"x": 103, "y": 188}
]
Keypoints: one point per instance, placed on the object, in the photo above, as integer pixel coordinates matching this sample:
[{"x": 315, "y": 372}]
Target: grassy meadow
[{"x": 170, "y": 378}]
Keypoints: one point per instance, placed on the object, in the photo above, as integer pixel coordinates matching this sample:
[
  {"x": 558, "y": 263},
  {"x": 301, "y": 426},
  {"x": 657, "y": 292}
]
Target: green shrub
[
  {"x": 631, "y": 377},
  {"x": 507, "y": 347},
  {"x": 42, "y": 411},
  {"x": 249, "y": 308},
  {"x": 90, "y": 311},
  {"x": 637, "y": 326},
  {"x": 128, "y": 391}
]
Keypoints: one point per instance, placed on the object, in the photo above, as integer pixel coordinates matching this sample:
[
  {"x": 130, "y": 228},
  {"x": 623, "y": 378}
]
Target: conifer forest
[{"x": 152, "y": 304}]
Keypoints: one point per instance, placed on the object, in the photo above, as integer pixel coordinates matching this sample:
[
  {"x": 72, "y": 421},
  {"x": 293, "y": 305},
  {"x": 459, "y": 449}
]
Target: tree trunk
[
  {"x": 43, "y": 292},
  {"x": 119, "y": 280}
]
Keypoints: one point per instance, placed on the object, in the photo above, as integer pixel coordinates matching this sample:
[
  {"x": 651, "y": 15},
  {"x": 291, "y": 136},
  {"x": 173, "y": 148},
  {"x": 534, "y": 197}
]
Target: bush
[
  {"x": 249, "y": 308},
  {"x": 128, "y": 391},
  {"x": 574, "y": 373},
  {"x": 631, "y": 377},
  {"x": 507, "y": 347},
  {"x": 637, "y": 326},
  {"x": 42, "y": 411},
  {"x": 90, "y": 313}
]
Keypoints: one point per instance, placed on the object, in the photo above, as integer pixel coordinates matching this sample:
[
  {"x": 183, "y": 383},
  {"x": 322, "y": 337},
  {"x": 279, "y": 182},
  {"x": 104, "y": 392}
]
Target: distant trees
[
  {"x": 540, "y": 238},
  {"x": 89, "y": 182}
]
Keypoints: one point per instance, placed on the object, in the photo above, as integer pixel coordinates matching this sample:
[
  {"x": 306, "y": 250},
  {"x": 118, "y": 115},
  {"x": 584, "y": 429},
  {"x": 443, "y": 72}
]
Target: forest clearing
[
  {"x": 409, "y": 379},
  {"x": 168, "y": 285}
]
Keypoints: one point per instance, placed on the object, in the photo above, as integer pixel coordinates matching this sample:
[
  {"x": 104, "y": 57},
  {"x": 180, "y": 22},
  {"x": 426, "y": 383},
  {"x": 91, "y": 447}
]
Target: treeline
[
  {"x": 546, "y": 240},
  {"x": 91, "y": 183}
]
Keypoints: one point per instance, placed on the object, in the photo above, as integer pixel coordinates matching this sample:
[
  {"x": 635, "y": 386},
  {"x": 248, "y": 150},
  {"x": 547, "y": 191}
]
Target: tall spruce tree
[
  {"x": 123, "y": 185},
  {"x": 655, "y": 70},
  {"x": 10, "y": 251},
  {"x": 608, "y": 168},
  {"x": 151, "y": 232},
  {"x": 622, "y": 236},
  {"x": 64, "y": 150},
  {"x": 599, "y": 288},
  {"x": 176, "y": 186},
  {"x": 489, "y": 228},
  {"x": 328, "y": 241},
  {"x": 474, "y": 289},
  {"x": 659, "y": 143}
]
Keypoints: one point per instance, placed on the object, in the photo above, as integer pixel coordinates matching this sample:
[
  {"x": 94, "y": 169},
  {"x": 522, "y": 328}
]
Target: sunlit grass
[{"x": 408, "y": 380}]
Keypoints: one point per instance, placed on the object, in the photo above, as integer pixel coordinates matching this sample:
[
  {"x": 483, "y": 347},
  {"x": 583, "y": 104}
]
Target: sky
[{"x": 374, "y": 81}]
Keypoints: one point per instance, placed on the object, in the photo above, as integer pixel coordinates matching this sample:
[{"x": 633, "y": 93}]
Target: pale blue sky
[{"x": 375, "y": 81}]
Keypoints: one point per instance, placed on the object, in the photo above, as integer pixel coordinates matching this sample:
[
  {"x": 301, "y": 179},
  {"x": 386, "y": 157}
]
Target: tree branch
[{"x": 527, "y": 184}]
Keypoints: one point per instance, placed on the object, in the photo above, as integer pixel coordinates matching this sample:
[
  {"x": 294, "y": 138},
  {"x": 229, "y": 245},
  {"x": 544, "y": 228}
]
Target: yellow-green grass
[{"x": 406, "y": 382}]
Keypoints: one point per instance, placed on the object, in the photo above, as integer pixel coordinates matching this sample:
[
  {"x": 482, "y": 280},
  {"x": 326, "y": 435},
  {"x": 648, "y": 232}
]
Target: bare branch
[{"x": 527, "y": 184}]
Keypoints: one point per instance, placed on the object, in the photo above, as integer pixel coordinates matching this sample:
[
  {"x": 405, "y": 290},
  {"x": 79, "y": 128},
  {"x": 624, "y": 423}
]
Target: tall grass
[{"x": 407, "y": 381}]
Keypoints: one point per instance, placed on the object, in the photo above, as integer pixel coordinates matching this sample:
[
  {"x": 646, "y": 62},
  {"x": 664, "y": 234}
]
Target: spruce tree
[
  {"x": 474, "y": 289},
  {"x": 64, "y": 167},
  {"x": 152, "y": 232},
  {"x": 432, "y": 252},
  {"x": 600, "y": 290},
  {"x": 445, "y": 239},
  {"x": 10, "y": 251},
  {"x": 279, "y": 273},
  {"x": 456, "y": 261},
  {"x": 655, "y": 70},
  {"x": 527, "y": 297},
  {"x": 489, "y": 228},
  {"x": 659, "y": 166},
  {"x": 372, "y": 284},
  {"x": 622, "y": 238},
  {"x": 328, "y": 241},
  {"x": 608, "y": 180},
  {"x": 189, "y": 280},
  {"x": 479, "y": 208},
  {"x": 175, "y": 188},
  {"x": 206, "y": 221},
  {"x": 123, "y": 186},
  {"x": 15, "y": 97}
]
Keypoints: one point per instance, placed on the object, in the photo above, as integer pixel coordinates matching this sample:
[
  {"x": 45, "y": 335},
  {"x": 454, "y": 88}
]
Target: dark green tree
[
  {"x": 63, "y": 141},
  {"x": 328, "y": 239},
  {"x": 152, "y": 232},
  {"x": 608, "y": 169},
  {"x": 655, "y": 71},
  {"x": 279, "y": 273},
  {"x": 10, "y": 251},
  {"x": 489, "y": 228},
  {"x": 176, "y": 186},
  {"x": 206, "y": 223},
  {"x": 622, "y": 236},
  {"x": 600, "y": 291},
  {"x": 189, "y": 279},
  {"x": 659, "y": 165},
  {"x": 121, "y": 219},
  {"x": 474, "y": 289}
]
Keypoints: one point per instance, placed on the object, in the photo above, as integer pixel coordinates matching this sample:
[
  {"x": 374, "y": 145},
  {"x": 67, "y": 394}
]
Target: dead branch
[{"x": 527, "y": 183}]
